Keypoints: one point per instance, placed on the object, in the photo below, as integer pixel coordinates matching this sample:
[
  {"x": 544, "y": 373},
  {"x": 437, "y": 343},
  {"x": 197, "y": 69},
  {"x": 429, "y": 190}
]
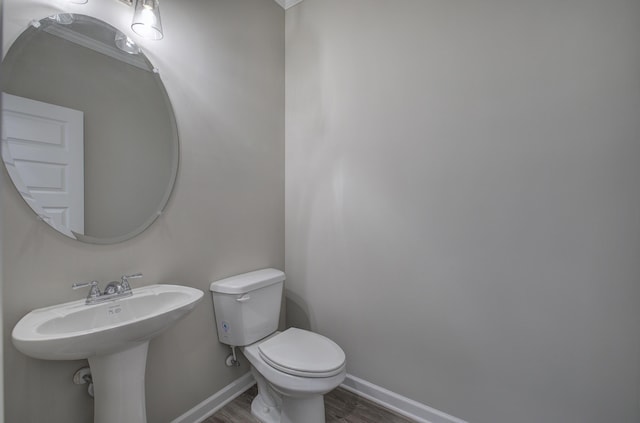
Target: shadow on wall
[{"x": 297, "y": 311}]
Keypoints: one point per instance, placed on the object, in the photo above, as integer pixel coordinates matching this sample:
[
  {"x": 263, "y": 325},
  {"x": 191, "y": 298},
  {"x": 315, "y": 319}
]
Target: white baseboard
[
  {"x": 402, "y": 405},
  {"x": 218, "y": 400}
]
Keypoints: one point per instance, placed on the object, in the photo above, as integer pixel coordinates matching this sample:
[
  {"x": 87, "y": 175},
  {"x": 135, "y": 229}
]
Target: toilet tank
[{"x": 247, "y": 306}]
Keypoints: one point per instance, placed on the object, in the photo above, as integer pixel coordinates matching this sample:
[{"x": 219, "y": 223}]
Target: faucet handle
[
  {"x": 79, "y": 285},
  {"x": 94, "y": 291},
  {"x": 125, "y": 280}
]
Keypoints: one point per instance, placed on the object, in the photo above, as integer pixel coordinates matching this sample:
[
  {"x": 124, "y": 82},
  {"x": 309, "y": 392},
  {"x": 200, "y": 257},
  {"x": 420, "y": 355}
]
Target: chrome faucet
[
  {"x": 94, "y": 291},
  {"x": 112, "y": 291},
  {"x": 114, "y": 288},
  {"x": 125, "y": 280}
]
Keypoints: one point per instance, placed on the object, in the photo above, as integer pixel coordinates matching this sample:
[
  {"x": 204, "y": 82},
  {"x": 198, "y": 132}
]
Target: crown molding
[{"x": 287, "y": 3}]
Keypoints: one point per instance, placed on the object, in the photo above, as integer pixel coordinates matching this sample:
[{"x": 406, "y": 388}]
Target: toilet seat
[{"x": 302, "y": 353}]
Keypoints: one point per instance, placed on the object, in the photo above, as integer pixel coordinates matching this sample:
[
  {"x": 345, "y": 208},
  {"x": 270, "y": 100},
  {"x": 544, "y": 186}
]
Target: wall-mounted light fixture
[
  {"x": 63, "y": 18},
  {"x": 126, "y": 44},
  {"x": 146, "y": 17}
]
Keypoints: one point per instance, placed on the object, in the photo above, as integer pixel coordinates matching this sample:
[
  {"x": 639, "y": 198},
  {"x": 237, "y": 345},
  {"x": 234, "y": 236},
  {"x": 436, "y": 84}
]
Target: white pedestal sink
[{"x": 114, "y": 336}]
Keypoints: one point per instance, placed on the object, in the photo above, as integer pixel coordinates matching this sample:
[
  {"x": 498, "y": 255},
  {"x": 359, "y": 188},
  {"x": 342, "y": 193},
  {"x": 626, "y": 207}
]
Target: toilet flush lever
[{"x": 245, "y": 297}]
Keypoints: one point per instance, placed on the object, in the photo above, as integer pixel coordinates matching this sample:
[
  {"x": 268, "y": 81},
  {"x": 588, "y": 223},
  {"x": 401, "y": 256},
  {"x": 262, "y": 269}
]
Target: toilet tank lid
[{"x": 246, "y": 282}]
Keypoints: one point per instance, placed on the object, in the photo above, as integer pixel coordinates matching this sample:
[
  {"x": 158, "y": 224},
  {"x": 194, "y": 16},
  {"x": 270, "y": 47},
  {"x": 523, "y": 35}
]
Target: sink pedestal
[
  {"x": 118, "y": 385},
  {"x": 114, "y": 336}
]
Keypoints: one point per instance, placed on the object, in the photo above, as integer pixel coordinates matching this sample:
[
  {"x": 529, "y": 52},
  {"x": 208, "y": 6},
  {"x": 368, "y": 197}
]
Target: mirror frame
[{"x": 175, "y": 151}]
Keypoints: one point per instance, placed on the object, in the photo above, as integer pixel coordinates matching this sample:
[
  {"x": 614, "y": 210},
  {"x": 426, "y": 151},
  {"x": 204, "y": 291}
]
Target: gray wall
[
  {"x": 223, "y": 65},
  {"x": 462, "y": 200},
  {"x": 1, "y": 318},
  {"x": 1, "y": 273},
  {"x": 127, "y": 131}
]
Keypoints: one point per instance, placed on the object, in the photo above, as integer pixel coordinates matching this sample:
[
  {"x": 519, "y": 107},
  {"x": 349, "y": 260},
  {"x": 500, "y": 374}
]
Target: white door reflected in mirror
[{"x": 43, "y": 150}]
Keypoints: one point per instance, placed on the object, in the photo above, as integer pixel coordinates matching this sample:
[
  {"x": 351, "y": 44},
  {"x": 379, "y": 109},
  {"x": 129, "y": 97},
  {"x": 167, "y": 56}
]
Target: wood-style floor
[{"x": 341, "y": 406}]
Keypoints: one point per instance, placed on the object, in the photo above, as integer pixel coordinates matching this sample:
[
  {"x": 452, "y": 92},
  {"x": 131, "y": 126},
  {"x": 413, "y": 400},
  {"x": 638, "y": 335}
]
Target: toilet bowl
[{"x": 293, "y": 368}]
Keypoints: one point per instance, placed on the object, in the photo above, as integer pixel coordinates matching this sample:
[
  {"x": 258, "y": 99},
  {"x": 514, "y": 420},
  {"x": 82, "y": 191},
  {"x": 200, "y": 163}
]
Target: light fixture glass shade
[
  {"x": 146, "y": 19},
  {"x": 63, "y": 18},
  {"x": 78, "y": 1},
  {"x": 126, "y": 44}
]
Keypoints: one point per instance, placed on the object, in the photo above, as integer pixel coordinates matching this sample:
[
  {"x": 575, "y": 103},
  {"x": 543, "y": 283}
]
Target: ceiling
[{"x": 287, "y": 3}]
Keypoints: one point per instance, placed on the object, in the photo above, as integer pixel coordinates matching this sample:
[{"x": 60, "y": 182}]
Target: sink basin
[
  {"x": 114, "y": 336},
  {"x": 73, "y": 331}
]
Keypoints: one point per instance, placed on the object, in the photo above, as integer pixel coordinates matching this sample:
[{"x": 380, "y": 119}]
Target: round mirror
[{"x": 89, "y": 138}]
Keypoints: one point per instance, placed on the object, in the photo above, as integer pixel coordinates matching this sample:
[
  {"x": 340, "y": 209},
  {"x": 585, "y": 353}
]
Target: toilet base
[
  {"x": 263, "y": 412},
  {"x": 293, "y": 410}
]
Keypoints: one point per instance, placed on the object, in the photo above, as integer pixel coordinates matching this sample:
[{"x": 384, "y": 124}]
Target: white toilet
[{"x": 294, "y": 368}]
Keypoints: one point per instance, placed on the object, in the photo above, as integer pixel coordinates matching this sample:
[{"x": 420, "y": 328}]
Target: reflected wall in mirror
[{"x": 89, "y": 138}]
